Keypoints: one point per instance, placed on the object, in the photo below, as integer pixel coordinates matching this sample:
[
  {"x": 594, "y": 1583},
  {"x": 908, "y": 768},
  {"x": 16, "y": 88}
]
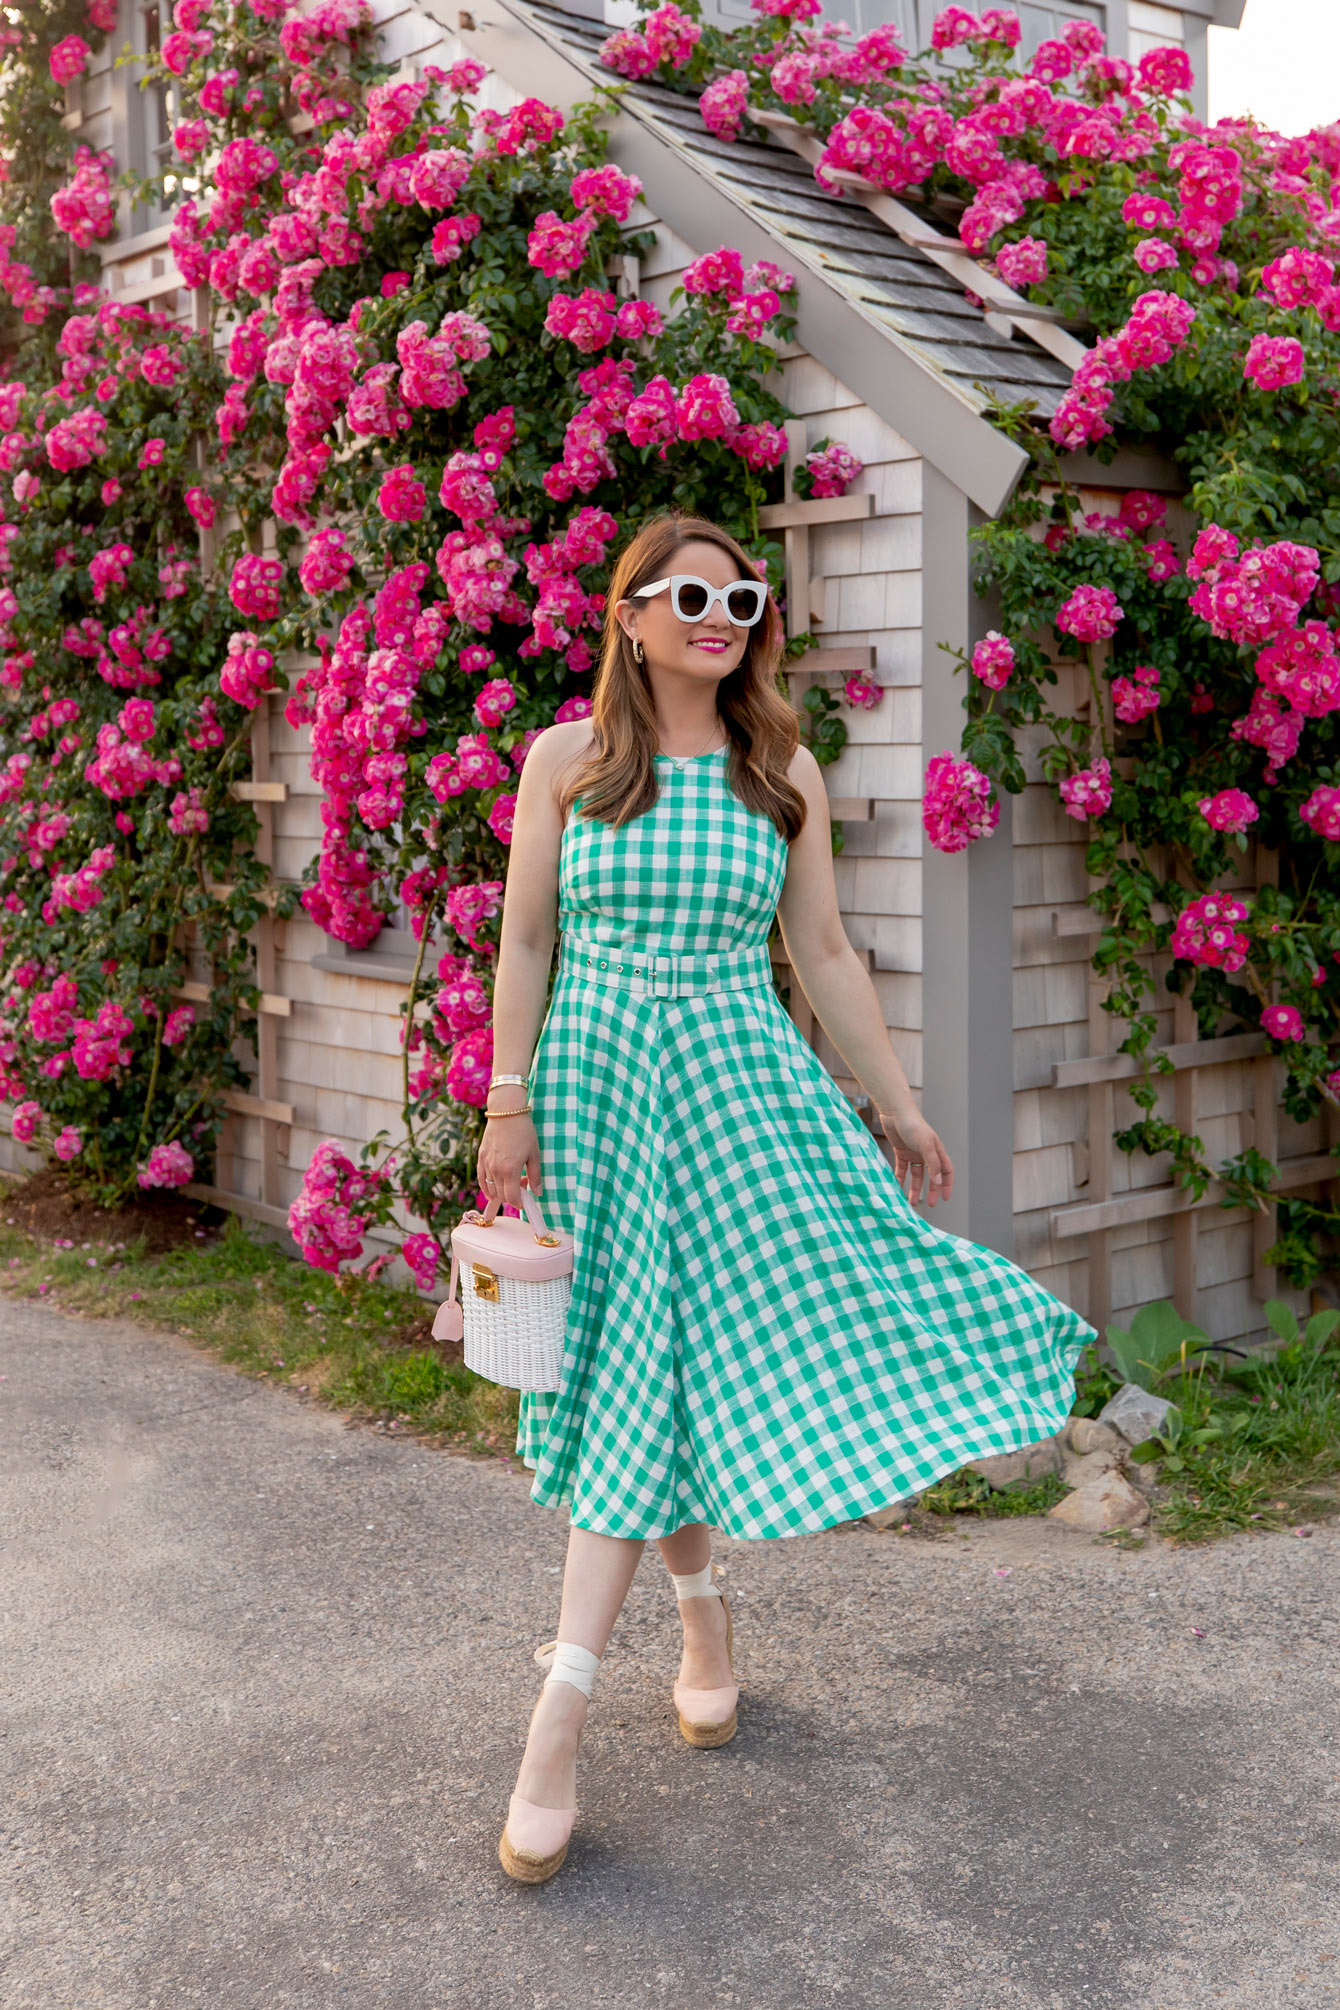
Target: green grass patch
[
  {"x": 966, "y": 1492},
  {"x": 1258, "y": 1445},
  {"x": 353, "y": 1346}
]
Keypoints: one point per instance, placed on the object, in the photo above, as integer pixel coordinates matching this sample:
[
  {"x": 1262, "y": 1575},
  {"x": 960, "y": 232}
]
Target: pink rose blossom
[
  {"x": 255, "y": 584},
  {"x": 1283, "y": 1022},
  {"x": 451, "y": 236},
  {"x": 1154, "y": 254},
  {"x": 167, "y": 1165},
  {"x": 1321, "y": 813},
  {"x": 956, "y": 804},
  {"x": 832, "y": 469},
  {"x": 1023, "y": 263},
  {"x": 1090, "y": 614},
  {"x": 993, "y": 660},
  {"x": 68, "y": 58},
  {"x": 1089, "y": 793},
  {"x": 1229, "y": 810},
  {"x": 722, "y": 105},
  {"x": 402, "y": 497},
  {"x": 25, "y": 1121},
  {"x": 1206, "y": 933},
  {"x": 1274, "y": 361},
  {"x": 422, "y": 1255},
  {"x": 1136, "y": 696},
  {"x": 327, "y": 563}
]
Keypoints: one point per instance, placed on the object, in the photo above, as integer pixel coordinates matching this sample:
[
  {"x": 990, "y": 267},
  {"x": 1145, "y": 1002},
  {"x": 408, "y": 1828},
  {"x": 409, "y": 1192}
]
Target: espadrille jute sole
[
  {"x": 705, "y": 1736},
  {"x": 528, "y": 1869}
]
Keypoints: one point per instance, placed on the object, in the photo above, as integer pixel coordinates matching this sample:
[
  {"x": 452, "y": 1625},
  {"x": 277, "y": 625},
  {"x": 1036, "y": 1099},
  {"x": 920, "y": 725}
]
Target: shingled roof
[{"x": 878, "y": 311}]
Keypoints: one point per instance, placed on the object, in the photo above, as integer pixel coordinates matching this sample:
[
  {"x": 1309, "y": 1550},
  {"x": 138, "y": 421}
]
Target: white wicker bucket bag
[{"x": 515, "y": 1279}]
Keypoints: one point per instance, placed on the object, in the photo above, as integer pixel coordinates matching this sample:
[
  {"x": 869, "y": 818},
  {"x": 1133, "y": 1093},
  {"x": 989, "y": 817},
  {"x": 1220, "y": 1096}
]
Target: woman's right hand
[{"x": 509, "y": 1158}]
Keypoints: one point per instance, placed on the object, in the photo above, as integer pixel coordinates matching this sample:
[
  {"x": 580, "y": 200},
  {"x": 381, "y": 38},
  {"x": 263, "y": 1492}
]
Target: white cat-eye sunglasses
[{"x": 691, "y": 597}]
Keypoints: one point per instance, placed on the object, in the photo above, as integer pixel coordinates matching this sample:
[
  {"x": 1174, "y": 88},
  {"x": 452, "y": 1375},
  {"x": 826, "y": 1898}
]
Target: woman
[{"x": 763, "y": 1335}]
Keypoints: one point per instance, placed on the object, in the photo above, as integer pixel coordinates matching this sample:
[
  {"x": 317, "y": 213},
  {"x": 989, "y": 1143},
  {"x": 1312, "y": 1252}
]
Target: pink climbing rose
[
  {"x": 1321, "y": 813},
  {"x": 1090, "y": 614},
  {"x": 167, "y": 1165},
  {"x": 993, "y": 660},
  {"x": 1230, "y": 810},
  {"x": 422, "y": 1255},
  {"x": 1283, "y": 1022},
  {"x": 957, "y": 806},
  {"x": 68, "y": 58},
  {"x": 25, "y": 1121},
  {"x": 1274, "y": 361},
  {"x": 1088, "y": 793},
  {"x": 1206, "y": 932},
  {"x": 1136, "y": 696}
]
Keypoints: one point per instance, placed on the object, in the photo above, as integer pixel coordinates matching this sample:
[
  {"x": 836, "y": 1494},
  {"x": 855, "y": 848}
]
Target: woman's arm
[
  {"x": 842, "y": 997},
  {"x": 510, "y": 1149}
]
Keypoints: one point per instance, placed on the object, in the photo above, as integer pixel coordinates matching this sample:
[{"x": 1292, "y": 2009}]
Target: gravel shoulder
[{"x": 266, "y": 1678}]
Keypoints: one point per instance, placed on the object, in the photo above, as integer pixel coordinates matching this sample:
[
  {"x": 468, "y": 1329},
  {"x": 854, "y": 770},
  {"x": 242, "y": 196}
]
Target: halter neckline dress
[{"x": 763, "y": 1333}]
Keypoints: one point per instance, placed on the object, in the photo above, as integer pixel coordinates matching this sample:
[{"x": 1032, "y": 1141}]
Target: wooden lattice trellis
[{"x": 1106, "y": 1210}]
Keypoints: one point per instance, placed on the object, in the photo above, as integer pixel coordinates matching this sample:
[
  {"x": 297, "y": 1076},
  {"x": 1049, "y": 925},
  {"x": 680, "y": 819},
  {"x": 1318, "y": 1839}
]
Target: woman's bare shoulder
[
  {"x": 559, "y": 749},
  {"x": 804, "y": 773},
  {"x": 802, "y": 767}
]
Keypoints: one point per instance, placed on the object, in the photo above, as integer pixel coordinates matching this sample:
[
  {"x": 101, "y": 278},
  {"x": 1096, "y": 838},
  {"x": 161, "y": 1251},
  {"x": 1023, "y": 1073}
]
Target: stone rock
[
  {"x": 1146, "y": 1477},
  {"x": 1030, "y": 1462},
  {"x": 885, "y": 1517},
  {"x": 1079, "y": 1469},
  {"x": 1134, "y": 1412},
  {"x": 1086, "y": 1434},
  {"x": 1105, "y": 1503}
]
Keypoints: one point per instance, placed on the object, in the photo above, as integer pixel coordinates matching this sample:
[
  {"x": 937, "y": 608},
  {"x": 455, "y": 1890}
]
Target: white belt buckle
[{"x": 656, "y": 977}]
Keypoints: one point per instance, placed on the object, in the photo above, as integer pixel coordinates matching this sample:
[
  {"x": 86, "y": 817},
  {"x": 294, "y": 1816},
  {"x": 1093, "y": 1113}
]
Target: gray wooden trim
[
  {"x": 1185, "y": 1054},
  {"x": 967, "y": 905},
  {"x": 388, "y": 959},
  {"x": 1151, "y": 1203},
  {"x": 118, "y": 249},
  {"x": 927, "y": 410}
]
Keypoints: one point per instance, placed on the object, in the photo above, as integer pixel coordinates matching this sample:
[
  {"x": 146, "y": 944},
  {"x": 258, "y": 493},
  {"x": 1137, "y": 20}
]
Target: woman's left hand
[{"x": 920, "y": 1162}]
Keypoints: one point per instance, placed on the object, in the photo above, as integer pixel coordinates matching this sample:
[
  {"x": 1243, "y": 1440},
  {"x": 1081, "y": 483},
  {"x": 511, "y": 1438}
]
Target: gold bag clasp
[{"x": 485, "y": 1282}]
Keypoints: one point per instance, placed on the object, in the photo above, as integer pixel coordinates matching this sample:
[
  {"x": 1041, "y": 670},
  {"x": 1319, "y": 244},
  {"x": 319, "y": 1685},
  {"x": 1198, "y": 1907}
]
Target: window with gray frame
[{"x": 145, "y": 117}]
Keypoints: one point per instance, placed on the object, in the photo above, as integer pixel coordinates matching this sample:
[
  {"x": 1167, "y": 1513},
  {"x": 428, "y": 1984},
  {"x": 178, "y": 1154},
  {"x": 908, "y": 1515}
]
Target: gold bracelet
[{"x": 510, "y": 1113}]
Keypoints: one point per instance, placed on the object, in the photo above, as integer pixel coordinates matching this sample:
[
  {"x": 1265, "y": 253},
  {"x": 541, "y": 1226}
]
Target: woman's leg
[
  {"x": 599, "y": 1571},
  {"x": 705, "y": 1664}
]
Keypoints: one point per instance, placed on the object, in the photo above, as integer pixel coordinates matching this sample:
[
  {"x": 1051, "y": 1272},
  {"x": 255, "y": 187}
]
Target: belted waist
[{"x": 667, "y": 973}]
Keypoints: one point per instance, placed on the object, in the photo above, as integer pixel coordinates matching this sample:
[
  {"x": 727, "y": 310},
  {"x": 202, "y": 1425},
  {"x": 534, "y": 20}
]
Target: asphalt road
[{"x": 266, "y": 1679}]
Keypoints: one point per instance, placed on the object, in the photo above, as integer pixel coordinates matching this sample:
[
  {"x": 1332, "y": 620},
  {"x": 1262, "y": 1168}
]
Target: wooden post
[
  {"x": 1101, "y": 1119},
  {"x": 1265, "y": 1124},
  {"x": 967, "y": 949},
  {"x": 267, "y": 1024},
  {"x": 1102, "y": 1095},
  {"x": 1185, "y": 1083}
]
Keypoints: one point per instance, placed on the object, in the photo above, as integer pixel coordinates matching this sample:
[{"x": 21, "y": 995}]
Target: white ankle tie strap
[
  {"x": 567, "y": 1662},
  {"x": 698, "y": 1584}
]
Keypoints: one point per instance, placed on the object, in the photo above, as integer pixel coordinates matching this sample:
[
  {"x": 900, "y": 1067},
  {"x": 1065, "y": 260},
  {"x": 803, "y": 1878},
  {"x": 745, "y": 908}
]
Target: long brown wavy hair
[{"x": 617, "y": 777}]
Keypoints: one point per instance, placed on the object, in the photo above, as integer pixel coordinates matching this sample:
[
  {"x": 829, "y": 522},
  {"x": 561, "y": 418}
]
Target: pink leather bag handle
[
  {"x": 531, "y": 1206},
  {"x": 449, "y": 1324}
]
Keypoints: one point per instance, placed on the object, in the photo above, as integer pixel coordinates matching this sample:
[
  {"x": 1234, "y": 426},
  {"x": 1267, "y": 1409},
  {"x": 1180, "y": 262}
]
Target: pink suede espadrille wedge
[
  {"x": 707, "y": 1717},
  {"x": 535, "y": 1839}
]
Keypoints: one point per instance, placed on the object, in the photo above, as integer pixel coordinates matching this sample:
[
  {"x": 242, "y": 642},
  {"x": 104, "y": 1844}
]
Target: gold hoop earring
[{"x": 639, "y": 654}]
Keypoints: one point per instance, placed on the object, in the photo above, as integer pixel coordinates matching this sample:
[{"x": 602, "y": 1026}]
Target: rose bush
[
  {"x": 1204, "y": 262},
  {"x": 431, "y": 410}
]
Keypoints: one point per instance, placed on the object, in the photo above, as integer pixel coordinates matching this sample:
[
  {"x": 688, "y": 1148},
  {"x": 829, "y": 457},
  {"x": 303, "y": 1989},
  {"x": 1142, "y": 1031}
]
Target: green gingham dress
[{"x": 763, "y": 1333}]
